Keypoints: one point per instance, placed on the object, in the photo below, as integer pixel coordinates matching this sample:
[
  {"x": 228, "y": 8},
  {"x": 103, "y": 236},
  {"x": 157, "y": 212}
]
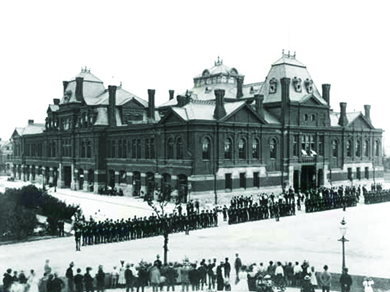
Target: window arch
[
  {"x": 358, "y": 148},
  {"x": 170, "y": 148},
  {"x": 82, "y": 149},
  {"x": 242, "y": 149},
  {"x": 256, "y": 149},
  {"x": 377, "y": 151},
  {"x": 349, "y": 148},
  {"x": 366, "y": 148},
  {"x": 179, "y": 148},
  {"x": 335, "y": 148},
  {"x": 272, "y": 148},
  {"x": 206, "y": 148},
  {"x": 228, "y": 149}
]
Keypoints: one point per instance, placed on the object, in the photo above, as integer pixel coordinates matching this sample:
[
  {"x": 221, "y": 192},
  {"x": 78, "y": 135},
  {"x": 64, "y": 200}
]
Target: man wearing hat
[
  {"x": 306, "y": 285},
  {"x": 69, "y": 276},
  {"x": 345, "y": 281}
]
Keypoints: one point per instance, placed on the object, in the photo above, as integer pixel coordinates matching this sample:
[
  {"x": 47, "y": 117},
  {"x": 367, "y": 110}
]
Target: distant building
[
  {"x": 6, "y": 157},
  {"x": 219, "y": 139}
]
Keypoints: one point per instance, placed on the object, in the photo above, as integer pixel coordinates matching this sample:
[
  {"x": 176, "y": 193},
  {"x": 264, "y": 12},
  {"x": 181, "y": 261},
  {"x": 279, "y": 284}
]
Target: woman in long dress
[
  {"x": 367, "y": 285},
  {"x": 33, "y": 282},
  {"x": 241, "y": 283}
]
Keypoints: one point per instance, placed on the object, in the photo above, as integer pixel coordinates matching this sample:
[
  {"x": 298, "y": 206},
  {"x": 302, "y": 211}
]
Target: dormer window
[
  {"x": 231, "y": 80},
  {"x": 251, "y": 90},
  {"x": 224, "y": 79},
  {"x": 272, "y": 85},
  {"x": 207, "y": 90}
]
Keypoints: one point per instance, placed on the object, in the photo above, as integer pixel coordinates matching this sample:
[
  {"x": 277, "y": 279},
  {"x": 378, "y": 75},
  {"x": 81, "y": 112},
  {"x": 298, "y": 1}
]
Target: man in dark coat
[
  {"x": 345, "y": 281},
  {"x": 88, "y": 280},
  {"x": 69, "y": 276},
  {"x": 7, "y": 280},
  {"x": 128, "y": 278},
  {"x": 56, "y": 284},
  {"x": 227, "y": 268},
  {"x": 220, "y": 279},
  {"x": 237, "y": 265},
  {"x": 78, "y": 281}
]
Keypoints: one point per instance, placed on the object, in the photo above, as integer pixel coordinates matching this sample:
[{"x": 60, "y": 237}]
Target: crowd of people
[
  {"x": 195, "y": 276},
  {"x": 90, "y": 232},
  {"x": 244, "y": 209},
  {"x": 376, "y": 195}
]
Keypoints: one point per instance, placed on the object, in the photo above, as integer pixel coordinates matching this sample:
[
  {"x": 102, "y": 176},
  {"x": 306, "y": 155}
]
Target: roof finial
[
  {"x": 295, "y": 53},
  {"x": 120, "y": 84},
  {"x": 219, "y": 62},
  {"x": 289, "y": 53},
  {"x": 282, "y": 52}
]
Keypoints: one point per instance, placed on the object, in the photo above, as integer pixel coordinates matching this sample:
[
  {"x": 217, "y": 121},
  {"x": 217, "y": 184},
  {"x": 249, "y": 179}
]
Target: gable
[
  {"x": 171, "y": 117},
  {"x": 310, "y": 100},
  {"x": 243, "y": 115},
  {"x": 133, "y": 103},
  {"x": 360, "y": 123}
]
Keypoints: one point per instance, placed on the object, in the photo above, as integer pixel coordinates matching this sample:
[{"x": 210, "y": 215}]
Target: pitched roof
[
  {"x": 351, "y": 116},
  {"x": 121, "y": 97}
]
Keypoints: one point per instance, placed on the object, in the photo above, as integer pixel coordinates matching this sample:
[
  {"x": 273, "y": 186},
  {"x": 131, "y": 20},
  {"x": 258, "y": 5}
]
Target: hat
[
  {"x": 307, "y": 277},
  {"x": 71, "y": 264}
]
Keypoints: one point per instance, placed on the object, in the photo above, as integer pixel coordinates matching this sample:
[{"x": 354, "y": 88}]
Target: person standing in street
[
  {"x": 69, "y": 276},
  {"x": 345, "y": 281},
  {"x": 78, "y": 281},
  {"x": 237, "y": 266},
  {"x": 325, "y": 279},
  {"x": 88, "y": 280},
  {"x": 227, "y": 268}
]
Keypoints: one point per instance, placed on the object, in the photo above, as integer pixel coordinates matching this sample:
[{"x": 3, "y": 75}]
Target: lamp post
[{"x": 343, "y": 231}]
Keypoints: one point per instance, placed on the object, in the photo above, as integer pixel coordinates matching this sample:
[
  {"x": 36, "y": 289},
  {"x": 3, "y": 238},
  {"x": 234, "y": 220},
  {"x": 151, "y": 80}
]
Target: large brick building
[{"x": 219, "y": 139}]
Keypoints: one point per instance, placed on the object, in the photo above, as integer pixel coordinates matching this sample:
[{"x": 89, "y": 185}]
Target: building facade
[{"x": 219, "y": 139}]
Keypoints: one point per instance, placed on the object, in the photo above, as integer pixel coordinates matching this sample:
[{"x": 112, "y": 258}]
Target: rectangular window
[
  {"x": 295, "y": 145},
  {"x": 256, "y": 180},
  {"x": 321, "y": 146},
  {"x": 147, "y": 147},
  {"x": 366, "y": 173},
  {"x": 138, "y": 148},
  {"x": 228, "y": 181},
  {"x": 134, "y": 149},
  {"x": 349, "y": 173},
  {"x": 152, "y": 151},
  {"x": 358, "y": 174},
  {"x": 243, "y": 180}
]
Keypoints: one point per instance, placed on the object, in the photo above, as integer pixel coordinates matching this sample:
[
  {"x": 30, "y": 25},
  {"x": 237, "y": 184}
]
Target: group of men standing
[{"x": 89, "y": 232}]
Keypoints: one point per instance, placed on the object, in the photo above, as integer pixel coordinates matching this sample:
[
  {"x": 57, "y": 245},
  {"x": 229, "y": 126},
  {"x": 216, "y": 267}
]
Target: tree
[{"x": 163, "y": 197}]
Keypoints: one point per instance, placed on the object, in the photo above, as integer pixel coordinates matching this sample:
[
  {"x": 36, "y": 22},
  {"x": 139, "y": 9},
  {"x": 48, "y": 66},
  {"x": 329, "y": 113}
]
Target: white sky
[{"x": 162, "y": 45}]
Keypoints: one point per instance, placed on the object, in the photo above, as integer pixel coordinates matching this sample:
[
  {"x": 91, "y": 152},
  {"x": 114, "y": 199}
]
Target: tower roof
[{"x": 301, "y": 85}]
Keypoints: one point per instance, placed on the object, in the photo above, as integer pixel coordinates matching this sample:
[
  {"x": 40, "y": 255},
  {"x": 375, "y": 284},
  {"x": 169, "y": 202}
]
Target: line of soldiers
[
  {"x": 374, "y": 197},
  {"x": 89, "y": 232},
  {"x": 325, "y": 198},
  {"x": 244, "y": 210}
]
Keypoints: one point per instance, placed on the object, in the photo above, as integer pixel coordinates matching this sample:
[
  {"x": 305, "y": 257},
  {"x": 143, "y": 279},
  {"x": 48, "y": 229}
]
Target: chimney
[
  {"x": 325, "y": 93},
  {"x": 111, "y": 105},
  {"x": 367, "y": 109},
  {"x": 56, "y": 101},
  {"x": 219, "y": 111},
  {"x": 285, "y": 99},
  {"x": 171, "y": 93},
  {"x": 151, "y": 107},
  {"x": 240, "y": 81},
  {"x": 31, "y": 122},
  {"x": 182, "y": 100},
  {"x": 65, "y": 83},
  {"x": 79, "y": 88},
  {"x": 259, "y": 99},
  {"x": 343, "y": 121}
]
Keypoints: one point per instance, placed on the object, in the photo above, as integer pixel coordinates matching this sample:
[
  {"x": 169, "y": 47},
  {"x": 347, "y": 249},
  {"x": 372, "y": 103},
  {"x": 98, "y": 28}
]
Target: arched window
[
  {"x": 256, "y": 149},
  {"x": 358, "y": 148},
  {"x": 82, "y": 149},
  {"x": 335, "y": 149},
  {"x": 366, "y": 148},
  {"x": 242, "y": 149},
  {"x": 113, "y": 149},
  {"x": 54, "y": 152},
  {"x": 206, "y": 149},
  {"x": 272, "y": 149},
  {"x": 170, "y": 149},
  {"x": 377, "y": 148},
  {"x": 89, "y": 149},
  {"x": 228, "y": 149},
  {"x": 179, "y": 148},
  {"x": 349, "y": 148}
]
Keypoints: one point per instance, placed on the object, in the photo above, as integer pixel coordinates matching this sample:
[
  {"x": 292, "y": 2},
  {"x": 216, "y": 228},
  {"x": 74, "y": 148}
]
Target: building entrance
[
  {"x": 308, "y": 178},
  {"x": 67, "y": 176}
]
